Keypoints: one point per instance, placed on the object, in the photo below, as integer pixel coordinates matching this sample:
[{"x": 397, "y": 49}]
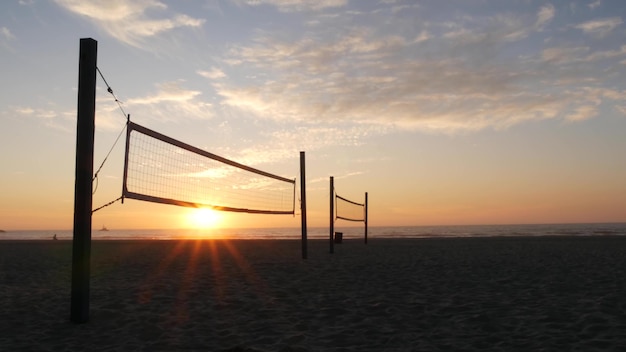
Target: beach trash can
[{"x": 338, "y": 237}]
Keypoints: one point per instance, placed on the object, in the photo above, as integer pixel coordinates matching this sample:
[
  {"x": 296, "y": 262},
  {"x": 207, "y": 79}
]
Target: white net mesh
[{"x": 163, "y": 170}]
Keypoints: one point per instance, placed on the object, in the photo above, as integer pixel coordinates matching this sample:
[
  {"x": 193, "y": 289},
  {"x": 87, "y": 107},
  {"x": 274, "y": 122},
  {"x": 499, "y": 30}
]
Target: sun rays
[{"x": 198, "y": 266}]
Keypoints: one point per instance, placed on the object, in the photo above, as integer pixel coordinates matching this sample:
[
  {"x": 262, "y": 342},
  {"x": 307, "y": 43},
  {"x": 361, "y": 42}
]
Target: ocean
[{"x": 605, "y": 229}]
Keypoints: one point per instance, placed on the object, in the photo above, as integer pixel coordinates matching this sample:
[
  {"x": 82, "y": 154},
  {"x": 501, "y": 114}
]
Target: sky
[{"x": 446, "y": 112}]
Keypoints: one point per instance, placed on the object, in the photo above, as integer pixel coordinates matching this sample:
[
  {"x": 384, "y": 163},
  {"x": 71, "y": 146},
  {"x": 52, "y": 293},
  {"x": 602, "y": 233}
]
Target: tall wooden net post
[
  {"x": 303, "y": 205},
  {"x": 365, "y": 217},
  {"x": 332, "y": 214},
  {"x": 81, "y": 246}
]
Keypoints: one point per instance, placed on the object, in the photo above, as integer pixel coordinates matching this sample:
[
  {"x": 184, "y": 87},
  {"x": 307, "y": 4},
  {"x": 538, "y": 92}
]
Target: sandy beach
[{"x": 471, "y": 294}]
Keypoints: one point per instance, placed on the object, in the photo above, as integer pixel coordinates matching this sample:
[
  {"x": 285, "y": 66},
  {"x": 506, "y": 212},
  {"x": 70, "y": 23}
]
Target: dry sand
[{"x": 508, "y": 294}]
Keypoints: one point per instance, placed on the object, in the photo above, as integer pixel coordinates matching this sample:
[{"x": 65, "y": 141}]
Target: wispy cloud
[
  {"x": 128, "y": 20},
  {"x": 6, "y": 37},
  {"x": 6, "y": 33},
  {"x": 497, "y": 29},
  {"x": 582, "y": 113},
  {"x": 171, "y": 102},
  {"x": 50, "y": 117},
  {"x": 599, "y": 55},
  {"x": 168, "y": 92},
  {"x": 280, "y": 144},
  {"x": 561, "y": 55},
  {"x": 569, "y": 55},
  {"x": 595, "y": 4},
  {"x": 299, "y": 5},
  {"x": 449, "y": 77},
  {"x": 600, "y": 27},
  {"x": 325, "y": 180},
  {"x": 213, "y": 73},
  {"x": 387, "y": 78},
  {"x": 544, "y": 16}
]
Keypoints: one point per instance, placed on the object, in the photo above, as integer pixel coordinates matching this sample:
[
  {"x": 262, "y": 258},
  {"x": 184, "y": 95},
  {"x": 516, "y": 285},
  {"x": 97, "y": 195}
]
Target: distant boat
[{"x": 104, "y": 228}]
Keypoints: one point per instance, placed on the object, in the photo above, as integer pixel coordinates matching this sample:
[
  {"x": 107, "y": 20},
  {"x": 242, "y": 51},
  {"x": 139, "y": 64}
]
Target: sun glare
[{"x": 203, "y": 218}]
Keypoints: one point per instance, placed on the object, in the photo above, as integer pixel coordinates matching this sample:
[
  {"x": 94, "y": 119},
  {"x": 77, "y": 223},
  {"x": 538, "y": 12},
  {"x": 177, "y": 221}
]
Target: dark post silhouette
[
  {"x": 365, "y": 217},
  {"x": 81, "y": 246},
  {"x": 303, "y": 204},
  {"x": 332, "y": 214},
  {"x": 125, "y": 176}
]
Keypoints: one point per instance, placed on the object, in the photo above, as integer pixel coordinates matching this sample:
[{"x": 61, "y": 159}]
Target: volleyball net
[
  {"x": 160, "y": 169},
  {"x": 345, "y": 209}
]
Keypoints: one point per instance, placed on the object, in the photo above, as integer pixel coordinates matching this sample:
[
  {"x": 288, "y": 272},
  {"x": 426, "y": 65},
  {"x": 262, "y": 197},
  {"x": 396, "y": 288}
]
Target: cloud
[
  {"x": 608, "y": 54},
  {"x": 588, "y": 101},
  {"x": 6, "y": 34},
  {"x": 544, "y": 16},
  {"x": 600, "y": 27},
  {"x": 299, "y": 5},
  {"x": 392, "y": 79},
  {"x": 6, "y": 37},
  {"x": 315, "y": 55},
  {"x": 496, "y": 29},
  {"x": 279, "y": 145},
  {"x": 36, "y": 112},
  {"x": 171, "y": 102},
  {"x": 422, "y": 37},
  {"x": 168, "y": 92},
  {"x": 569, "y": 55},
  {"x": 445, "y": 77},
  {"x": 365, "y": 78},
  {"x": 598, "y": 95},
  {"x": 49, "y": 117},
  {"x": 561, "y": 55},
  {"x": 214, "y": 73},
  {"x": 582, "y": 113},
  {"x": 594, "y": 4},
  {"x": 128, "y": 21},
  {"x": 405, "y": 7},
  {"x": 24, "y": 110}
]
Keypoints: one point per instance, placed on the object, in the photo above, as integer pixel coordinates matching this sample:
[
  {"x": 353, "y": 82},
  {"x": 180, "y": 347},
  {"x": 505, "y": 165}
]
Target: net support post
[
  {"x": 303, "y": 205},
  {"x": 332, "y": 214},
  {"x": 365, "y": 210},
  {"x": 126, "y": 153},
  {"x": 85, "y": 126}
]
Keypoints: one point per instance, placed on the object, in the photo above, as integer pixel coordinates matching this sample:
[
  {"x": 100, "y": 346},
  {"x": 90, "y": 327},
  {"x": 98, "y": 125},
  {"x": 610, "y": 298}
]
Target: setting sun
[{"x": 203, "y": 218}]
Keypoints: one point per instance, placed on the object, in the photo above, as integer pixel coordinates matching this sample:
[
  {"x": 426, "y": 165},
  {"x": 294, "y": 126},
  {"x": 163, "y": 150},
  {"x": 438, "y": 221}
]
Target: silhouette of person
[{"x": 54, "y": 237}]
